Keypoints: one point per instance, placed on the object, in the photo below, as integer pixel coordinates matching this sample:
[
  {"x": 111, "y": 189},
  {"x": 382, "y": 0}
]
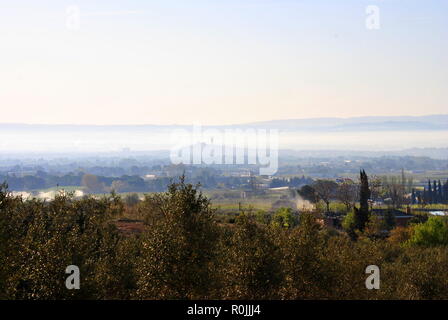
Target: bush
[
  {"x": 285, "y": 218},
  {"x": 433, "y": 232},
  {"x": 251, "y": 261},
  {"x": 179, "y": 249}
]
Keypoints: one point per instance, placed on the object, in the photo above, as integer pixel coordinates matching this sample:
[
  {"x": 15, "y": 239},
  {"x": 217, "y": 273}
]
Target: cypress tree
[
  {"x": 429, "y": 192},
  {"x": 362, "y": 215},
  {"x": 434, "y": 192},
  {"x": 445, "y": 192}
]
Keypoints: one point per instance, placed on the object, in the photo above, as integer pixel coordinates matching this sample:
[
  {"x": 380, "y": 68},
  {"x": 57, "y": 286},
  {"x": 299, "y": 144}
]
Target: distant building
[
  {"x": 401, "y": 218},
  {"x": 334, "y": 219},
  {"x": 438, "y": 213},
  {"x": 279, "y": 188}
]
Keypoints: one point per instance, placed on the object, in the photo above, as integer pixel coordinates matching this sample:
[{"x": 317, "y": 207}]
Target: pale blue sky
[{"x": 220, "y": 61}]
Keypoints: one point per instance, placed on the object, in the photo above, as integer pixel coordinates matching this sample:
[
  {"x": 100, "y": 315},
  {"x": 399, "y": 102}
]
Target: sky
[{"x": 219, "y": 62}]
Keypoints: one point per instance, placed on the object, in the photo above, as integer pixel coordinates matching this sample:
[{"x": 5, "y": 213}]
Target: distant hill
[
  {"x": 398, "y": 123},
  {"x": 341, "y": 134},
  {"x": 433, "y": 153}
]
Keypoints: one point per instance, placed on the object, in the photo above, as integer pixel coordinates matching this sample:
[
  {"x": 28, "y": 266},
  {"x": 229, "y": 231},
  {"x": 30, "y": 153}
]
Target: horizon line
[{"x": 216, "y": 125}]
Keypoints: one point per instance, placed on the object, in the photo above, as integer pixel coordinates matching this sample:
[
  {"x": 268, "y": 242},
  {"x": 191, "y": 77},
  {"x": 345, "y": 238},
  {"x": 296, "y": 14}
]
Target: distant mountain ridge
[
  {"x": 397, "y": 123},
  {"x": 377, "y": 123}
]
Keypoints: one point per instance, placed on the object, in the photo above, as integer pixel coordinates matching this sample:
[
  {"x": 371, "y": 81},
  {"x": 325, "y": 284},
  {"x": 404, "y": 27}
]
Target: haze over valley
[{"x": 344, "y": 134}]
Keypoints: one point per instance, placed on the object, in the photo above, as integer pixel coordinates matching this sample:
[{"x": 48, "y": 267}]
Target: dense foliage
[{"x": 183, "y": 253}]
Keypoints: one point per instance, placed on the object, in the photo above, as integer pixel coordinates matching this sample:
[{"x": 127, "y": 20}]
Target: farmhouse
[{"x": 401, "y": 218}]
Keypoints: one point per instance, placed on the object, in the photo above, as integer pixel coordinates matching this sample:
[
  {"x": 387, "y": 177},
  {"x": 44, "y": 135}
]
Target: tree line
[{"x": 432, "y": 194}]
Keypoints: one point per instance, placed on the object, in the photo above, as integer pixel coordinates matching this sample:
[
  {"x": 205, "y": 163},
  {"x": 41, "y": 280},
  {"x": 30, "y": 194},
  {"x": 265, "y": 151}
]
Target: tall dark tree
[
  {"x": 362, "y": 215},
  {"x": 434, "y": 192},
  {"x": 439, "y": 192},
  {"x": 429, "y": 193},
  {"x": 445, "y": 192}
]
